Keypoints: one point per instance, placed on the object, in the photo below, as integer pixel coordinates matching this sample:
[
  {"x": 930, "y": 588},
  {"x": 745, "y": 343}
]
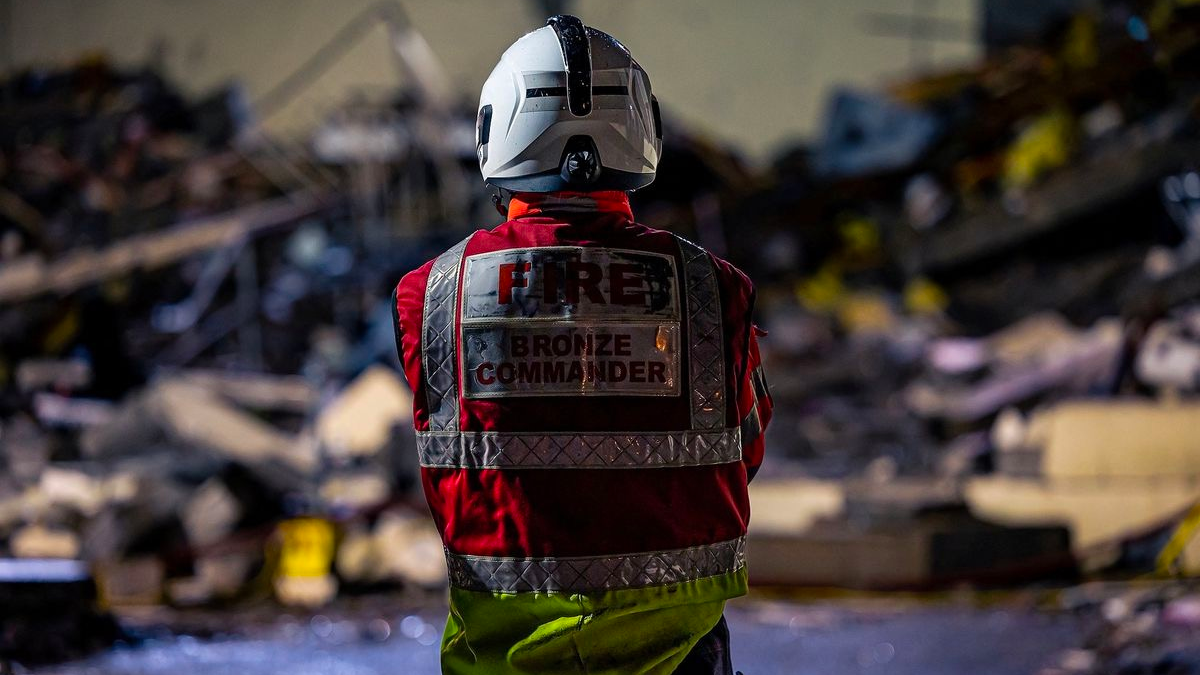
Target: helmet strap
[{"x": 500, "y": 201}]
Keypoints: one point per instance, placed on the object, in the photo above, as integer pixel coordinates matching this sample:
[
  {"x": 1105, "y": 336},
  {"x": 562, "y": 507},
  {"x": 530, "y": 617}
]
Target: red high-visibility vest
[{"x": 589, "y": 404}]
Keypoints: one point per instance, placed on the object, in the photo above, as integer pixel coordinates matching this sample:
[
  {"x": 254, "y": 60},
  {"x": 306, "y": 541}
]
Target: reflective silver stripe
[
  {"x": 758, "y": 377},
  {"x": 498, "y": 450},
  {"x": 598, "y": 573},
  {"x": 437, "y": 339},
  {"x": 751, "y": 426},
  {"x": 706, "y": 344}
]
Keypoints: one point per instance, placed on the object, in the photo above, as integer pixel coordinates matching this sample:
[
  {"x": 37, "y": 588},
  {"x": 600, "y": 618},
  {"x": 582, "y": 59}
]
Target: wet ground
[{"x": 872, "y": 635}]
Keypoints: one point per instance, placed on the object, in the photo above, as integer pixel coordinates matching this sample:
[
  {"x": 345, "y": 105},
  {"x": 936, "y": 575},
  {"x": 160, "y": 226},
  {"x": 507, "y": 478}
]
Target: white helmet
[{"x": 567, "y": 108}]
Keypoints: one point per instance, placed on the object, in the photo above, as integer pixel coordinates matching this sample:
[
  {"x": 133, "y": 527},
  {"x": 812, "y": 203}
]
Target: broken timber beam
[{"x": 30, "y": 277}]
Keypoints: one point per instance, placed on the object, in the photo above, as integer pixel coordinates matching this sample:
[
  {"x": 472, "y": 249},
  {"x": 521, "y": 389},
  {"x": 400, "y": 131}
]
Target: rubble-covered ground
[
  {"x": 1116, "y": 628},
  {"x": 902, "y": 636}
]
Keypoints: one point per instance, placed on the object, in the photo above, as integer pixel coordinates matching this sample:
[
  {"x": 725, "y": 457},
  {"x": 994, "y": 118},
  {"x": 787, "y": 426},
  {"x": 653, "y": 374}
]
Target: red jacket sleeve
[
  {"x": 754, "y": 401},
  {"x": 408, "y": 304}
]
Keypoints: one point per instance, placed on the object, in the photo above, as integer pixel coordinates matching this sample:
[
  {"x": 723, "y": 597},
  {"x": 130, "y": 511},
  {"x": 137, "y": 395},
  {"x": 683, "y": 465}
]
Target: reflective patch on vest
[
  {"x": 595, "y": 573},
  {"x": 503, "y": 450},
  {"x": 583, "y": 360},
  {"x": 439, "y": 356},
  {"x": 706, "y": 341},
  {"x": 570, "y": 282},
  {"x": 570, "y": 321}
]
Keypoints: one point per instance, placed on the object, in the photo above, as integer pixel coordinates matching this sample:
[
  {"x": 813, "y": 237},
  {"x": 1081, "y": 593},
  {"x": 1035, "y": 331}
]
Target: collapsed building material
[
  {"x": 24, "y": 450},
  {"x": 902, "y": 533},
  {"x": 217, "y": 577},
  {"x": 930, "y": 551},
  {"x": 355, "y": 490},
  {"x": 869, "y": 133},
  {"x": 1117, "y": 439},
  {"x": 76, "y": 489},
  {"x": 1170, "y": 355},
  {"x": 899, "y": 498},
  {"x": 30, "y": 276},
  {"x": 1105, "y": 469},
  {"x": 362, "y": 418},
  {"x": 257, "y": 391},
  {"x": 48, "y": 613},
  {"x": 1097, "y": 183},
  {"x": 63, "y": 411},
  {"x": 1036, "y": 355},
  {"x": 190, "y": 416},
  {"x": 210, "y": 514},
  {"x": 792, "y": 506},
  {"x": 35, "y": 541},
  {"x": 401, "y": 548},
  {"x": 226, "y": 574},
  {"x": 64, "y": 374},
  {"x": 132, "y": 581}
]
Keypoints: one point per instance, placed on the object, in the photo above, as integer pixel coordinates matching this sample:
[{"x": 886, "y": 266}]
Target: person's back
[{"x": 587, "y": 396}]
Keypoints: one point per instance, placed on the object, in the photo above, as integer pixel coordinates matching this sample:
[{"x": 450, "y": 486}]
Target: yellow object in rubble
[
  {"x": 306, "y": 552},
  {"x": 1045, "y": 144},
  {"x": 860, "y": 239},
  {"x": 307, "y": 547},
  {"x": 866, "y": 312},
  {"x": 1080, "y": 50},
  {"x": 823, "y": 291},
  {"x": 922, "y": 297},
  {"x": 62, "y": 332},
  {"x": 1167, "y": 562}
]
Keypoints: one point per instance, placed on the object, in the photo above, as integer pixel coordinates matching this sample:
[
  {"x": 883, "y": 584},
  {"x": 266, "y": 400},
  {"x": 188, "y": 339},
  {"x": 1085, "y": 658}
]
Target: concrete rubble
[
  {"x": 980, "y": 289},
  {"x": 174, "y": 496},
  {"x": 1133, "y": 628}
]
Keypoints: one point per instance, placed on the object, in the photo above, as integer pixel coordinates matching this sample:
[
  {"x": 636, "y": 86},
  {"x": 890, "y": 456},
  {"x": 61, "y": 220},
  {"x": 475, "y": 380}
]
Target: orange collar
[{"x": 525, "y": 204}]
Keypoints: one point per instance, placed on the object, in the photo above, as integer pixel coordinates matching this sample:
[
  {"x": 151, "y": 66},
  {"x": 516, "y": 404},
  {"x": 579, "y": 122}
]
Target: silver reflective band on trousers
[
  {"x": 595, "y": 573},
  {"x": 498, "y": 450}
]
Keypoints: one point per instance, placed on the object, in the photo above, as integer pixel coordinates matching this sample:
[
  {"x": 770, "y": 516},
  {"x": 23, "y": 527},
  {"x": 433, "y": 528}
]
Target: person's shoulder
[
  {"x": 411, "y": 287},
  {"x": 727, "y": 272},
  {"x": 732, "y": 272}
]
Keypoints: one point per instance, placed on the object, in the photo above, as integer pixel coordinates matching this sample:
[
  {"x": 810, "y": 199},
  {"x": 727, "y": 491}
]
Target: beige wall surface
[{"x": 754, "y": 73}]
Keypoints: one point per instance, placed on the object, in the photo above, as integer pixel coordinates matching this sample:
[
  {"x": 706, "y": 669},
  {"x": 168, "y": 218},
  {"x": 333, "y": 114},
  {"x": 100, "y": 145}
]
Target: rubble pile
[
  {"x": 982, "y": 291},
  {"x": 92, "y": 155},
  {"x": 1147, "y": 627},
  {"x": 176, "y": 490},
  {"x": 198, "y": 392},
  {"x": 1002, "y": 237},
  {"x": 194, "y": 327}
]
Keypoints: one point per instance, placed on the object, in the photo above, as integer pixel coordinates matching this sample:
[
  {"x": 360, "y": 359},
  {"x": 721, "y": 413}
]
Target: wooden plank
[{"x": 30, "y": 276}]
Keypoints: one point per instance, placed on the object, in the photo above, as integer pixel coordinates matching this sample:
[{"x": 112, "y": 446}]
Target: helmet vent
[
  {"x": 539, "y": 92},
  {"x": 577, "y": 55},
  {"x": 580, "y": 161},
  {"x": 483, "y": 131}
]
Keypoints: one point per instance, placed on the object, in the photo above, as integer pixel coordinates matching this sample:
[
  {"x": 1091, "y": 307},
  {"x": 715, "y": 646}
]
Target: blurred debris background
[{"x": 980, "y": 277}]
